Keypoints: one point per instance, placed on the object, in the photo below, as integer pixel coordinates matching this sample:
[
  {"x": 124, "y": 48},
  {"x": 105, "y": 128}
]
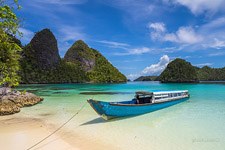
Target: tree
[{"x": 9, "y": 50}]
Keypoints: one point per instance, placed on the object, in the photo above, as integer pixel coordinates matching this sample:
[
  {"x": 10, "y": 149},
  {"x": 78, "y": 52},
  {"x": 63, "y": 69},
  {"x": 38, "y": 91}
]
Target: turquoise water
[{"x": 198, "y": 123}]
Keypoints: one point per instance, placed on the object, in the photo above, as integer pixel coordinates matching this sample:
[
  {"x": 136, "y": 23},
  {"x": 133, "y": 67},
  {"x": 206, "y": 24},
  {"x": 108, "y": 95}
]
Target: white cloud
[
  {"x": 138, "y": 51},
  {"x": 184, "y": 35},
  {"x": 114, "y": 44},
  {"x": 135, "y": 51},
  {"x": 203, "y": 64},
  {"x": 218, "y": 44},
  {"x": 157, "y": 30},
  {"x": 201, "y": 6},
  {"x": 157, "y": 26},
  {"x": 192, "y": 38},
  {"x": 27, "y": 35},
  {"x": 133, "y": 76},
  {"x": 67, "y": 35},
  {"x": 217, "y": 54},
  {"x": 170, "y": 37},
  {"x": 154, "y": 69},
  {"x": 212, "y": 25},
  {"x": 71, "y": 33}
]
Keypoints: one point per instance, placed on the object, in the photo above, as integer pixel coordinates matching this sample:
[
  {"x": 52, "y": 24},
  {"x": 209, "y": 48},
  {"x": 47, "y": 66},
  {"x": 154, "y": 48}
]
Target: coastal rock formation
[
  {"x": 80, "y": 53},
  {"x": 12, "y": 101},
  {"x": 96, "y": 66},
  {"x": 40, "y": 63},
  {"x": 42, "y": 51},
  {"x": 179, "y": 71},
  {"x": 8, "y": 107}
]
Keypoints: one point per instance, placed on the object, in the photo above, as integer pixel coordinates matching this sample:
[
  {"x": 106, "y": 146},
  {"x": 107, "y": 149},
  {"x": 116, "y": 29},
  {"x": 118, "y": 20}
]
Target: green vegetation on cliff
[
  {"x": 179, "y": 70},
  {"x": 79, "y": 53},
  {"x": 211, "y": 74},
  {"x": 41, "y": 63},
  {"x": 104, "y": 71},
  {"x": 147, "y": 78},
  {"x": 96, "y": 66}
]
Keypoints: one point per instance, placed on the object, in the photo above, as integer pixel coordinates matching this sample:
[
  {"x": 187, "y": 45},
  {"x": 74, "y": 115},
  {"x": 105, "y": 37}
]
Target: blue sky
[{"x": 139, "y": 37}]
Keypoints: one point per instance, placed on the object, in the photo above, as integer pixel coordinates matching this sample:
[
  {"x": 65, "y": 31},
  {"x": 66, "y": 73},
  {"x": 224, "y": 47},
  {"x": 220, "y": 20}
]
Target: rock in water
[
  {"x": 80, "y": 53},
  {"x": 8, "y": 107},
  {"x": 43, "y": 50},
  {"x": 11, "y": 102}
]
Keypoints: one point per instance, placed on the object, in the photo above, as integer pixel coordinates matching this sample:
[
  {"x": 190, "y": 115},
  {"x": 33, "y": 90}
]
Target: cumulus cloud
[
  {"x": 154, "y": 69},
  {"x": 201, "y": 6},
  {"x": 157, "y": 30},
  {"x": 157, "y": 26},
  {"x": 185, "y": 35}
]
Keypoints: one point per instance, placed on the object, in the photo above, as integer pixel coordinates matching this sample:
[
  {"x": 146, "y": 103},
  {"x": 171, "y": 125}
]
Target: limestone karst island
[{"x": 112, "y": 74}]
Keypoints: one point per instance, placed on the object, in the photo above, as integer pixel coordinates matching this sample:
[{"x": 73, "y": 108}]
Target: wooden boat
[{"x": 144, "y": 102}]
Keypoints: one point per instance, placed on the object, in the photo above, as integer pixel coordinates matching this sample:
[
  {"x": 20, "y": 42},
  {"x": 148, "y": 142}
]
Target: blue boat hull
[{"x": 109, "y": 110}]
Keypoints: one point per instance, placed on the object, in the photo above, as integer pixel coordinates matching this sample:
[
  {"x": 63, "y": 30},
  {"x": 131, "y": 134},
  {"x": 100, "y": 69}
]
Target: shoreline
[{"x": 21, "y": 132}]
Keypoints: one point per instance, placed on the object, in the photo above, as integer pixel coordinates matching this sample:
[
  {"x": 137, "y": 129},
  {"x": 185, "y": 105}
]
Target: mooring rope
[{"x": 58, "y": 127}]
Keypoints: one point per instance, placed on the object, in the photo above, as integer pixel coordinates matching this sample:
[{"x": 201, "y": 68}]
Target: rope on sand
[{"x": 58, "y": 127}]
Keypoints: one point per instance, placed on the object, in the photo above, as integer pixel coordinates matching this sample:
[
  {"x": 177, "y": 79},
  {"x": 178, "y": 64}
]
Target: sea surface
[{"x": 196, "y": 124}]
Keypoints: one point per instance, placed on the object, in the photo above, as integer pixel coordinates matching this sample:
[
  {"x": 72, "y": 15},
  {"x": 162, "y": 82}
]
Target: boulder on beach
[{"x": 12, "y": 101}]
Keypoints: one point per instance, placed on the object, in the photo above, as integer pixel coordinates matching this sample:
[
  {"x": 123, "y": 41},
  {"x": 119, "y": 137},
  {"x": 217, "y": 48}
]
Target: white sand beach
[{"x": 21, "y": 133}]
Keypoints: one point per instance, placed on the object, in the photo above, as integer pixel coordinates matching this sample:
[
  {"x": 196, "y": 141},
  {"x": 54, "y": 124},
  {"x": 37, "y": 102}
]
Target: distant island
[
  {"x": 147, "y": 78},
  {"x": 41, "y": 63},
  {"x": 181, "y": 71}
]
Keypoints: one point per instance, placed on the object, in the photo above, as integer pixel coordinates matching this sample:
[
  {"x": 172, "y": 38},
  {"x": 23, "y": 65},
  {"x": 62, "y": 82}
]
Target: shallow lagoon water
[{"x": 198, "y": 123}]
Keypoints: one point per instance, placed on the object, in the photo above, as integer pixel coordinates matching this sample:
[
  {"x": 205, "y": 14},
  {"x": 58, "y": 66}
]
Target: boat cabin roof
[
  {"x": 144, "y": 93},
  {"x": 166, "y": 92}
]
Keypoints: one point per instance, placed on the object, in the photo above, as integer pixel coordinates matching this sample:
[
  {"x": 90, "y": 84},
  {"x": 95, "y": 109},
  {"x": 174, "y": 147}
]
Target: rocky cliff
[
  {"x": 80, "y": 53},
  {"x": 96, "y": 66},
  {"x": 41, "y": 63},
  {"x": 42, "y": 51}
]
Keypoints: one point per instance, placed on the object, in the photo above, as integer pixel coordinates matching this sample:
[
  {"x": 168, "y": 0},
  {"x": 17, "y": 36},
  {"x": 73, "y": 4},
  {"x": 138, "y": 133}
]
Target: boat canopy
[{"x": 144, "y": 93}]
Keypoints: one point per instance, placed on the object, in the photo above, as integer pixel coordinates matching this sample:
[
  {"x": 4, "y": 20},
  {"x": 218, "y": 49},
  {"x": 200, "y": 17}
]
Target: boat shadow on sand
[{"x": 100, "y": 120}]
